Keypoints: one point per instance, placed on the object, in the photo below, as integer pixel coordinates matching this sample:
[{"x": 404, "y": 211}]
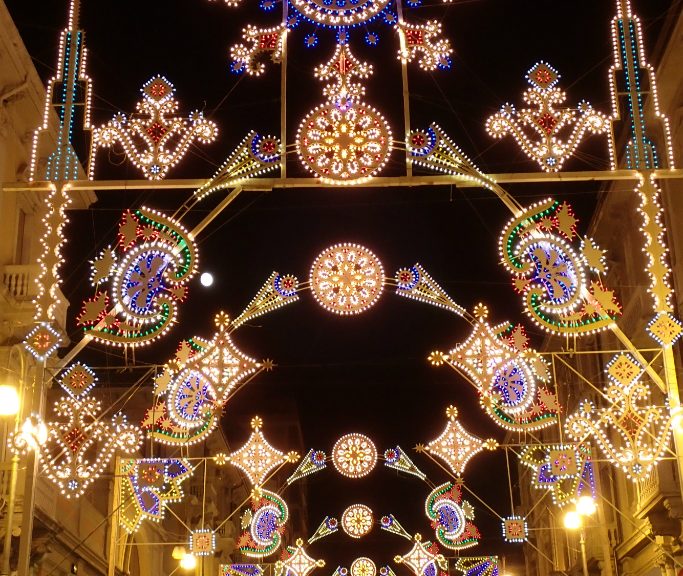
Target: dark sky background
[{"x": 366, "y": 373}]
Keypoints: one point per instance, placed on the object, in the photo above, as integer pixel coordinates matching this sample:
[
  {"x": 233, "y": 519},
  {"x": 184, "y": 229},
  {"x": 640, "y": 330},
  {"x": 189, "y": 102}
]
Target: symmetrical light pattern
[
  {"x": 344, "y": 13},
  {"x": 152, "y": 139},
  {"x": 347, "y": 279},
  {"x": 397, "y": 459},
  {"x": 363, "y": 567},
  {"x": 155, "y": 258},
  {"x": 264, "y": 524},
  {"x": 477, "y": 566},
  {"x": 344, "y": 140},
  {"x": 424, "y": 40},
  {"x": 416, "y": 284},
  {"x": 515, "y": 529},
  {"x": 547, "y": 134},
  {"x": 328, "y": 526},
  {"x": 255, "y": 156},
  {"x": 390, "y": 524},
  {"x": 424, "y": 559},
  {"x": 42, "y": 341},
  {"x": 296, "y": 562},
  {"x": 259, "y": 44},
  {"x": 313, "y": 462},
  {"x": 202, "y": 542},
  {"x": 80, "y": 445},
  {"x": 564, "y": 469},
  {"x": 562, "y": 293},
  {"x": 455, "y": 445},
  {"x": 357, "y": 520},
  {"x": 257, "y": 458},
  {"x": 148, "y": 486},
  {"x": 354, "y": 455},
  {"x": 632, "y": 434},
  {"x": 506, "y": 375},
  {"x": 665, "y": 329},
  {"x": 451, "y": 517},
  {"x": 279, "y": 290},
  {"x": 193, "y": 387}
]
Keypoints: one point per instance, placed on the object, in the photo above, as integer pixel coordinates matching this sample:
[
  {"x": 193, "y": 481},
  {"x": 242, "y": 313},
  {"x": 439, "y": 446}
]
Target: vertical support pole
[
  {"x": 283, "y": 96},
  {"x": 406, "y": 90},
  {"x": 113, "y": 522}
]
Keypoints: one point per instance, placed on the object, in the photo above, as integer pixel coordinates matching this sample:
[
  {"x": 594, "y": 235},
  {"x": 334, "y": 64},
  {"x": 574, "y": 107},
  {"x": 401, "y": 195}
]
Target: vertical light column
[{"x": 404, "y": 82}]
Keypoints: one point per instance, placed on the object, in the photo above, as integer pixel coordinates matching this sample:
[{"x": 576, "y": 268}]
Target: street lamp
[{"x": 574, "y": 520}]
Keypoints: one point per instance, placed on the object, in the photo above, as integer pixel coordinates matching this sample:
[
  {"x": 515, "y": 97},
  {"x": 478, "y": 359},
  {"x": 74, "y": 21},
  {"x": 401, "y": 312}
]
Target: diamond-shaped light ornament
[
  {"x": 665, "y": 329},
  {"x": 423, "y": 558},
  {"x": 514, "y": 529},
  {"x": 298, "y": 562},
  {"x": 543, "y": 76},
  {"x": 42, "y": 341},
  {"x": 203, "y": 542},
  {"x": 78, "y": 380}
]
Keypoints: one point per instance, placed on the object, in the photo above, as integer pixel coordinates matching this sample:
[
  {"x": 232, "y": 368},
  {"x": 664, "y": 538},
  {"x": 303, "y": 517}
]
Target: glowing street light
[
  {"x": 188, "y": 561},
  {"x": 9, "y": 400},
  {"x": 573, "y": 520}
]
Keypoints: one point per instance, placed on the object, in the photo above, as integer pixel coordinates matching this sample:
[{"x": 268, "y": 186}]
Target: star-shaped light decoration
[
  {"x": 42, "y": 341},
  {"x": 297, "y": 562},
  {"x": 455, "y": 445},
  {"x": 257, "y": 458},
  {"x": 423, "y": 559},
  {"x": 506, "y": 376},
  {"x": 625, "y": 430}
]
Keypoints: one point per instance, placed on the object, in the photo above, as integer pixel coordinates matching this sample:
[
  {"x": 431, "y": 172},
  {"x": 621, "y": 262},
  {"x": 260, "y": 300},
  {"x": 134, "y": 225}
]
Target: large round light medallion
[
  {"x": 357, "y": 520},
  {"x": 354, "y": 455},
  {"x": 340, "y": 12},
  {"x": 347, "y": 279},
  {"x": 344, "y": 144},
  {"x": 363, "y": 567}
]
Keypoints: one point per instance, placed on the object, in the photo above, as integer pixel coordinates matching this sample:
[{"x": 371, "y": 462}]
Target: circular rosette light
[
  {"x": 354, "y": 455},
  {"x": 344, "y": 144},
  {"x": 357, "y": 520},
  {"x": 191, "y": 398},
  {"x": 340, "y": 12},
  {"x": 422, "y": 142},
  {"x": 407, "y": 278},
  {"x": 285, "y": 285},
  {"x": 363, "y": 567},
  {"x": 514, "y": 385},
  {"x": 347, "y": 279}
]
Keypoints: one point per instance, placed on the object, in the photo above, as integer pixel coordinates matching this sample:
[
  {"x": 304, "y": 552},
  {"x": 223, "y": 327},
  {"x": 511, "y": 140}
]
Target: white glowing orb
[{"x": 206, "y": 279}]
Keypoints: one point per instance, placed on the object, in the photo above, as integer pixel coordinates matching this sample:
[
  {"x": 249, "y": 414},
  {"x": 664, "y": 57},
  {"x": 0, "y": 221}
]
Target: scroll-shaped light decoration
[
  {"x": 192, "y": 388},
  {"x": 296, "y": 562},
  {"x": 242, "y": 569},
  {"x": 259, "y": 43},
  {"x": 451, "y": 517},
  {"x": 264, "y": 524},
  {"x": 328, "y": 526},
  {"x": 389, "y": 523},
  {"x": 455, "y": 445},
  {"x": 148, "y": 271},
  {"x": 632, "y": 434},
  {"x": 148, "y": 486},
  {"x": 547, "y": 134},
  {"x": 397, "y": 459},
  {"x": 506, "y": 374},
  {"x": 415, "y": 283},
  {"x": 344, "y": 140},
  {"x": 566, "y": 470},
  {"x": 313, "y": 462},
  {"x": 424, "y": 559},
  {"x": 425, "y": 40},
  {"x": 254, "y": 156},
  {"x": 556, "y": 274},
  {"x": 478, "y": 566},
  {"x": 153, "y": 140},
  {"x": 78, "y": 447}
]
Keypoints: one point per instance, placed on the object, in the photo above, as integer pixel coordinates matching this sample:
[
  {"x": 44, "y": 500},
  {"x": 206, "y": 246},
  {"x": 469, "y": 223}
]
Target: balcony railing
[{"x": 20, "y": 281}]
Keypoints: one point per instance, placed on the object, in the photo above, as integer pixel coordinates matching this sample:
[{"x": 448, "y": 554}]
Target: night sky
[{"x": 367, "y": 373}]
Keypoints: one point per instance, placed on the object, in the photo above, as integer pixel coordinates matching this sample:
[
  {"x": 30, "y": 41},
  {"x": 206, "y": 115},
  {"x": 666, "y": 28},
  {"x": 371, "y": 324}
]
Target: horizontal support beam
[{"x": 267, "y": 184}]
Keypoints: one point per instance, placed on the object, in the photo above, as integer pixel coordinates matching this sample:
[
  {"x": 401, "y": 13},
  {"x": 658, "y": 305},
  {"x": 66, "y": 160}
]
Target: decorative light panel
[
  {"x": 313, "y": 462},
  {"x": 357, "y": 520},
  {"x": 346, "y": 279},
  {"x": 566, "y": 470},
  {"x": 416, "y": 284},
  {"x": 425, "y": 40},
  {"x": 328, "y": 526},
  {"x": 354, "y": 455},
  {"x": 202, "y": 542},
  {"x": 152, "y": 139},
  {"x": 264, "y": 524},
  {"x": 547, "y": 134},
  {"x": 632, "y": 434},
  {"x": 257, "y": 458},
  {"x": 296, "y": 562},
  {"x": 389, "y": 523},
  {"x": 345, "y": 13},
  {"x": 241, "y": 569},
  {"x": 451, "y": 517},
  {"x": 149, "y": 485},
  {"x": 455, "y": 445},
  {"x": 344, "y": 140},
  {"x": 558, "y": 279},
  {"x": 506, "y": 374},
  {"x": 665, "y": 329},
  {"x": 259, "y": 42},
  {"x": 424, "y": 559},
  {"x": 42, "y": 341},
  {"x": 515, "y": 529},
  {"x": 363, "y": 567},
  {"x": 397, "y": 459},
  {"x": 477, "y": 566},
  {"x": 148, "y": 271},
  {"x": 278, "y": 291}
]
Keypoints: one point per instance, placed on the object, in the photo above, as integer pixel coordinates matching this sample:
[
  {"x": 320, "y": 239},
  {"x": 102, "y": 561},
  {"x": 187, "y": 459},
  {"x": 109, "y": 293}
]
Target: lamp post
[{"x": 574, "y": 520}]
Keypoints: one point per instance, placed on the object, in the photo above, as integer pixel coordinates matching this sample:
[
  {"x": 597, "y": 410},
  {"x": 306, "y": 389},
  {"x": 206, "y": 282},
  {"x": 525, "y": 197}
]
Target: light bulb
[
  {"x": 206, "y": 279},
  {"x": 188, "y": 562},
  {"x": 586, "y": 506},
  {"x": 9, "y": 400},
  {"x": 572, "y": 520}
]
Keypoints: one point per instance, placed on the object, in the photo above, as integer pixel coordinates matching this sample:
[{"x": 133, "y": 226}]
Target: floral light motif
[
  {"x": 425, "y": 40},
  {"x": 424, "y": 559},
  {"x": 561, "y": 294},
  {"x": 297, "y": 562},
  {"x": 363, "y": 567},
  {"x": 155, "y": 257},
  {"x": 357, "y": 520},
  {"x": 257, "y": 458},
  {"x": 42, "y": 341},
  {"x": 313, "y": 462},
  {"x": 416, "y": 284},
  {"x": 397, "y": 459},
  {"x": 455, "y": 445},
  {"x": 259, "y": 42},
  {"x": 148, "y": 486},
  {"x": 629, "y": 421},
  {"x": 545, "y": 121},
  {"x": 340, "y": 14},
  {"x": 354, "y": 455},
  {"x": 390, "y": 524},
  {"x": 152, "y": 139},
  {"x": 328, "y": 526},
  {"x": 203, "y": 542},
  {"x": 515, "y": 529},
  {"x": 279, "y": 290},
  {"x": 347, "y": 279},
  {"x": 477, "y": 566},
  {"x": 507, "y": 376},
  {"x": 451, "y": 517},
  {"x": 264, "y": 524}
]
